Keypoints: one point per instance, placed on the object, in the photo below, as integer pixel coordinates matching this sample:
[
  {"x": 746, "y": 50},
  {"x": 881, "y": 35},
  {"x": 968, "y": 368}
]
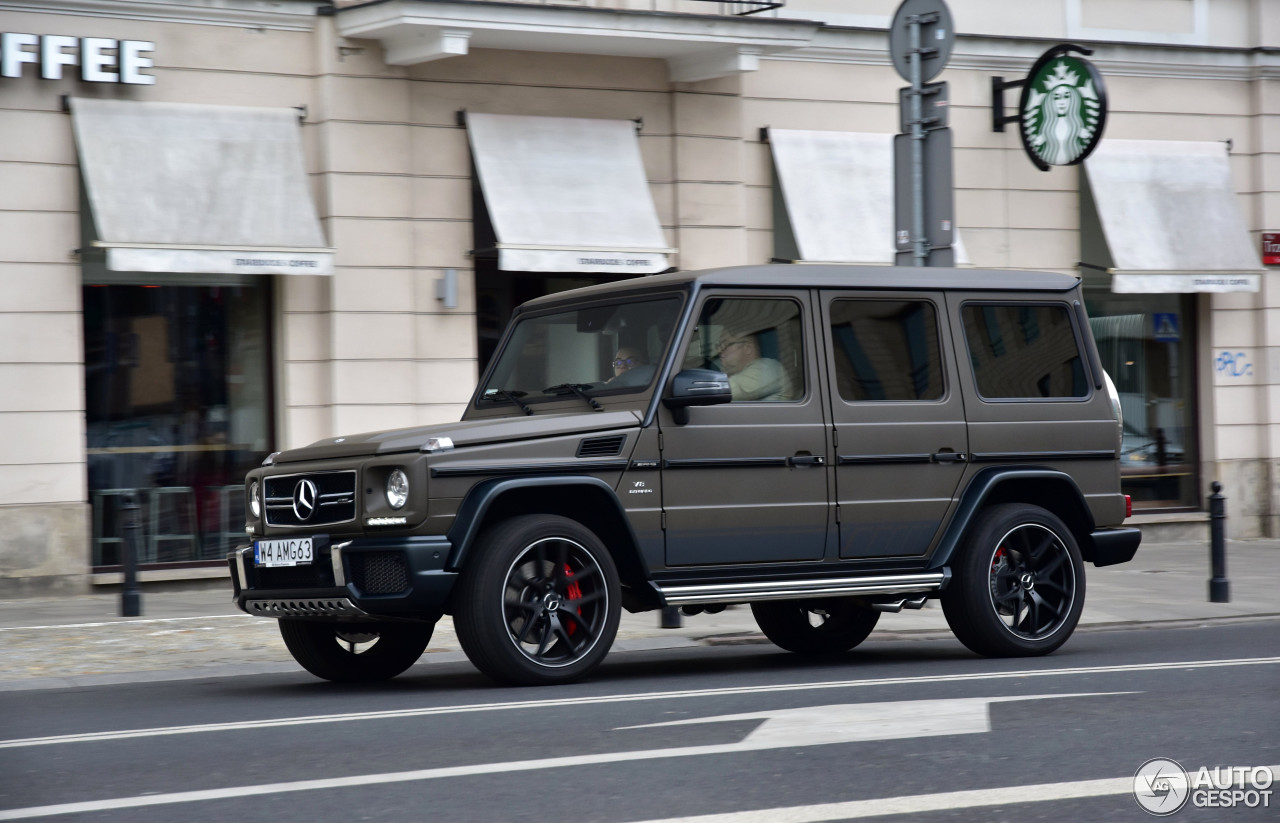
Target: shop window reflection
[
  {"x": 177, "y": 406},
  {"x": 1153, "y": 371}
]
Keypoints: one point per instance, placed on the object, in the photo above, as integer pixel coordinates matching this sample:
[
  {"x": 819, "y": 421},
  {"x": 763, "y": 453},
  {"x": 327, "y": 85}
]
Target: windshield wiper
[
  {"x": 575, "y": 388},
  {"x": 513, "y": 396}
]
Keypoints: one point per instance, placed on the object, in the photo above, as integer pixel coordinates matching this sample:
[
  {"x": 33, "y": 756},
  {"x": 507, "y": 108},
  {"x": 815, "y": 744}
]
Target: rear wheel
[
  {"x": 355, "y": 652},
  {"x": 828, "y": 625},
  {"x": 1018, "y": 585},
  {"x": 538, "y": 602}
]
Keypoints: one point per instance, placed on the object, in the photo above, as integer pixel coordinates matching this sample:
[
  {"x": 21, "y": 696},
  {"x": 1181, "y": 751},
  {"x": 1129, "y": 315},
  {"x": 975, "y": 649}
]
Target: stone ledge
[
  {"x": 1167, "y": 517},
  {"x": 163, "y": 575}
]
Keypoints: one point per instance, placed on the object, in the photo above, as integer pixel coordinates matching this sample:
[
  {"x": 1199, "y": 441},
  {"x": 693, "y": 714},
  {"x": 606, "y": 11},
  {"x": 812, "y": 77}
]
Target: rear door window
[
  {"x": 1022, "y": 351},
  {"x": 886, "y": 350}
]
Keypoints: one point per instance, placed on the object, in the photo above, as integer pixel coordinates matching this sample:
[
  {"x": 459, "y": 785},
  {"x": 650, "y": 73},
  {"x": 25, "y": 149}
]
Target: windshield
[{"x": 587, "y": 352}]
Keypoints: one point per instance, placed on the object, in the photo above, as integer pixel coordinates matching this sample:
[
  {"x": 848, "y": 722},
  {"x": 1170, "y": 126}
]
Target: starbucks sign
[{"x": 1063, "y": 109}]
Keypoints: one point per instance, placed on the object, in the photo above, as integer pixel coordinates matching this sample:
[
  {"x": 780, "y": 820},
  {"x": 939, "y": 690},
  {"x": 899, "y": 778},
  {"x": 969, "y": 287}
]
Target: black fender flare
[
  {"x": 984, "y": 485},
  {"x": 470, "y": 519}
]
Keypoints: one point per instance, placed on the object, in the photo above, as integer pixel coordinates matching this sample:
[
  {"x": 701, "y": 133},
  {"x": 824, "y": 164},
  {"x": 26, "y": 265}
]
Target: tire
[
  {"x": 538, "y": 602},
  {"x": 355, "y": 652},
  {"x": 1018, "y": 584},
  {"x": 819, "y": 626}
]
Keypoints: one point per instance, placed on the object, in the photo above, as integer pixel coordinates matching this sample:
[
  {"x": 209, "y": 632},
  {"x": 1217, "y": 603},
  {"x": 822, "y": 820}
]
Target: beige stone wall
[{"x": 372, "y": 347}]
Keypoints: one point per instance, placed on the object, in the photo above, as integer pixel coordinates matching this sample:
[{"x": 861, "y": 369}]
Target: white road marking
[
  {"x": 921, "y": 803},
  {"x": 860, "y": 722},
  {"x": 125, "y": 622},
  {"x": 128, "y": 734},
  {"x": 788, "y": 734}
]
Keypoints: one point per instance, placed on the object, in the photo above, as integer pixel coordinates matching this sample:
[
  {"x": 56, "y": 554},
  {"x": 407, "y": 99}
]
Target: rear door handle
[
  {"x": 949, "y": 457},
  {"x": 807, "y": 460}
]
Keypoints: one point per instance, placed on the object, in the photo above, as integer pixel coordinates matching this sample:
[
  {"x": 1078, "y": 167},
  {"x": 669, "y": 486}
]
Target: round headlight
[
  {"x": 254, "y": 505},
  {"x": 397, "y": 489}
]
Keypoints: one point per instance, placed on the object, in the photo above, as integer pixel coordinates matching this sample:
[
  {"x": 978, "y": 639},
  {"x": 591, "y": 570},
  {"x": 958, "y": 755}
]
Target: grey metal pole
[
  {"x": 130, "y": 596},
  {"x": 919, "y": 251},
  {"x": 1219, "y": 587}
]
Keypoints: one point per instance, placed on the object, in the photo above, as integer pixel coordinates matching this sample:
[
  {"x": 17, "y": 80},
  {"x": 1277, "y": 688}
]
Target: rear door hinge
[
  {"x": 837, "y": 514},
  {"x": 664, "y": 521}
]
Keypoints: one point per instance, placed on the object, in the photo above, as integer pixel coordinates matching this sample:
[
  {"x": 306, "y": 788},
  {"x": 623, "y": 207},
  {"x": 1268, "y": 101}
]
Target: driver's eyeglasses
[{"x": 624, "y": 363}]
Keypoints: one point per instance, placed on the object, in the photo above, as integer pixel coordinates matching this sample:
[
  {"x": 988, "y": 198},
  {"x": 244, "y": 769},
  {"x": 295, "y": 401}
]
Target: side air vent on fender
[{"x": 610, "y": 446}]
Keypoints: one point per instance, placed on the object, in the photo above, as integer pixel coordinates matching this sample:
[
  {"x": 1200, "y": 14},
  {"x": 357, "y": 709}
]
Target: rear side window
[
  {"x": 1024, "y": 351},
  {"x": 886, "y": 350}
]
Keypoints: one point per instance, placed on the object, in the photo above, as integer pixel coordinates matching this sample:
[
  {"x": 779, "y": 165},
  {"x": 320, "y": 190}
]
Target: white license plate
[{"x": 295, "y": 551}]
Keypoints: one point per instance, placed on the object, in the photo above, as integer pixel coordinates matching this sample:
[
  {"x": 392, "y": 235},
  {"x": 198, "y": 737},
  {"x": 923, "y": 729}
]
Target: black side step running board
[{"x": 913, "y": 583}]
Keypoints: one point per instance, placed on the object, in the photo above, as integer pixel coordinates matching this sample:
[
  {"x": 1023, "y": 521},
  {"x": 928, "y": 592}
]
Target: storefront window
[
  {"x": 1147, "y": 345},
  {"x": 499, "y": 292},
  {"x": 178, "y": 409}
]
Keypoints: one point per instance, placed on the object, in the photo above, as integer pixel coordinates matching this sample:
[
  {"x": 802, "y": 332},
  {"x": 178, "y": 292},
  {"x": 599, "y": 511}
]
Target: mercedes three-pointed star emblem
[{"x": 304, "y": 499}]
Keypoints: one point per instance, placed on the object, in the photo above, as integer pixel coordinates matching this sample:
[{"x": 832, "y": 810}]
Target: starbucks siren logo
[{"x": 1064, "y": 108}]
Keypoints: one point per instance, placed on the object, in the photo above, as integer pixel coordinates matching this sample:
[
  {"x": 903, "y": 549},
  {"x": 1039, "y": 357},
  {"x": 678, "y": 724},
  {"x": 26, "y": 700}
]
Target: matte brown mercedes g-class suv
[{"x": 823, "y": 443}]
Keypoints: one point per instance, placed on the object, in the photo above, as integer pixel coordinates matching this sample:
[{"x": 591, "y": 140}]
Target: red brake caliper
[{"x": 574, "y": 591}]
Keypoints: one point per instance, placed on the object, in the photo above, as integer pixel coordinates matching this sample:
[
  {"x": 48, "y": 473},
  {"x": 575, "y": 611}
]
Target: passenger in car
[{"x": 752, "y": 377}]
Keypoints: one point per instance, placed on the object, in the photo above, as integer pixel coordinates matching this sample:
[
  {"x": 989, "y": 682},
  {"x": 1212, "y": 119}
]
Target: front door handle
[
  {"x": 806, "y": 460},
  {"x": 949, "y": 457}
]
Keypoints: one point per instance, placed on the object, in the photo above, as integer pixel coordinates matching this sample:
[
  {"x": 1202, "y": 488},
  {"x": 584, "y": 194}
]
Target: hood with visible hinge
[{"x": 462, "y": 433}]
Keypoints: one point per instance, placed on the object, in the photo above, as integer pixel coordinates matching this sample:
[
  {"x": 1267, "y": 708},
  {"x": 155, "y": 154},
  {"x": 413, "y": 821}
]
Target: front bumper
[{"x": 364, "y": 578}]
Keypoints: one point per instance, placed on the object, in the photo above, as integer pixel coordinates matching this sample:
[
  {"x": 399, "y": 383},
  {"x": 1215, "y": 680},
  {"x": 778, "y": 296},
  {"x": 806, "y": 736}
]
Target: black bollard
[
  {"x": 1219, "y": 587},
  {"x": 671, "y": 618},
  {"x": 130, "y": 597}
]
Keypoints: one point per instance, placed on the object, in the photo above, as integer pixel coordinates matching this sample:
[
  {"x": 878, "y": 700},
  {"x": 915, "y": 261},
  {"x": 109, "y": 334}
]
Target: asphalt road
[{"x": 916, "y": 729}]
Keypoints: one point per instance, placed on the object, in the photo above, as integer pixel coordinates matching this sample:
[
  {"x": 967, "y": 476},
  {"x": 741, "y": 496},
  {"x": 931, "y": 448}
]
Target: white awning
[
  {"x": 1162, "y": 216},
  {"x": 837, "y": 196},
  {"x": 567, "y": 194},
  {"x": 175, "y": 187}
]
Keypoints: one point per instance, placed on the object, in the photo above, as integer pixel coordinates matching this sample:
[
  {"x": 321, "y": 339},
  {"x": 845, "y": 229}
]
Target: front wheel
[
  {"x": 1018, "y": 585},
  {"x": 355, "y": 652},
  {"x": 538, "y": 602},
  {"x": 828, "y": 625}
]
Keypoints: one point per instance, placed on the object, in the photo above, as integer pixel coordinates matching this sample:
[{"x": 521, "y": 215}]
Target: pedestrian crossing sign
[{"x": 1166, "y": 327}]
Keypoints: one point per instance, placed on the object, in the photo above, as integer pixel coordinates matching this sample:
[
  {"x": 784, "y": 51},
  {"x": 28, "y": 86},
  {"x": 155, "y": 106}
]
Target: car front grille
[
  {"x": 379, "y": 572},
  {"x": 315, "y": 499}
]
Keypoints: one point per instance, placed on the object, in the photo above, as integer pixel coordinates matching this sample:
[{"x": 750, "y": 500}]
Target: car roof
[{"x": 925, "y": 278}]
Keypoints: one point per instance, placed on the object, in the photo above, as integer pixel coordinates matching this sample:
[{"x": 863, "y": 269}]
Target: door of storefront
[{"x": 1147, "y": 345}]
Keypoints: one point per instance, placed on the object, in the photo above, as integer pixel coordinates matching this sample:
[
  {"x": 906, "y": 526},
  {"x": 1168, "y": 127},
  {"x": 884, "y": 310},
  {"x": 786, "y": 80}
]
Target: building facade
[{"x": 229, "y": 227}]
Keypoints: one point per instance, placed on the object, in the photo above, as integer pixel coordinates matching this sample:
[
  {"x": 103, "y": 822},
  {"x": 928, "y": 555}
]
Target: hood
[{"x": 463, "y": 433}]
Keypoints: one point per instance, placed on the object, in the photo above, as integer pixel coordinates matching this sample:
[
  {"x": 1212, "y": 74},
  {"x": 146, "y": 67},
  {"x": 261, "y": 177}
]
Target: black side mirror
[{"x": 696, "y": 387}]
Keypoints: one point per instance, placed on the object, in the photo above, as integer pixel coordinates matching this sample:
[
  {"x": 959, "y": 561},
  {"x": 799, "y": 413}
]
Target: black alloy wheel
[
  {"x": 1019, "y": 583},
  {"x": 355, "y": 652},
  {"x": 539, "y": 601},
  {"x": 817, "y": 626}
]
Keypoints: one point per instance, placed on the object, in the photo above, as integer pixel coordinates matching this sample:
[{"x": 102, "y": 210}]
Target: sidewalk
[{"x": 65, "y": 641}]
